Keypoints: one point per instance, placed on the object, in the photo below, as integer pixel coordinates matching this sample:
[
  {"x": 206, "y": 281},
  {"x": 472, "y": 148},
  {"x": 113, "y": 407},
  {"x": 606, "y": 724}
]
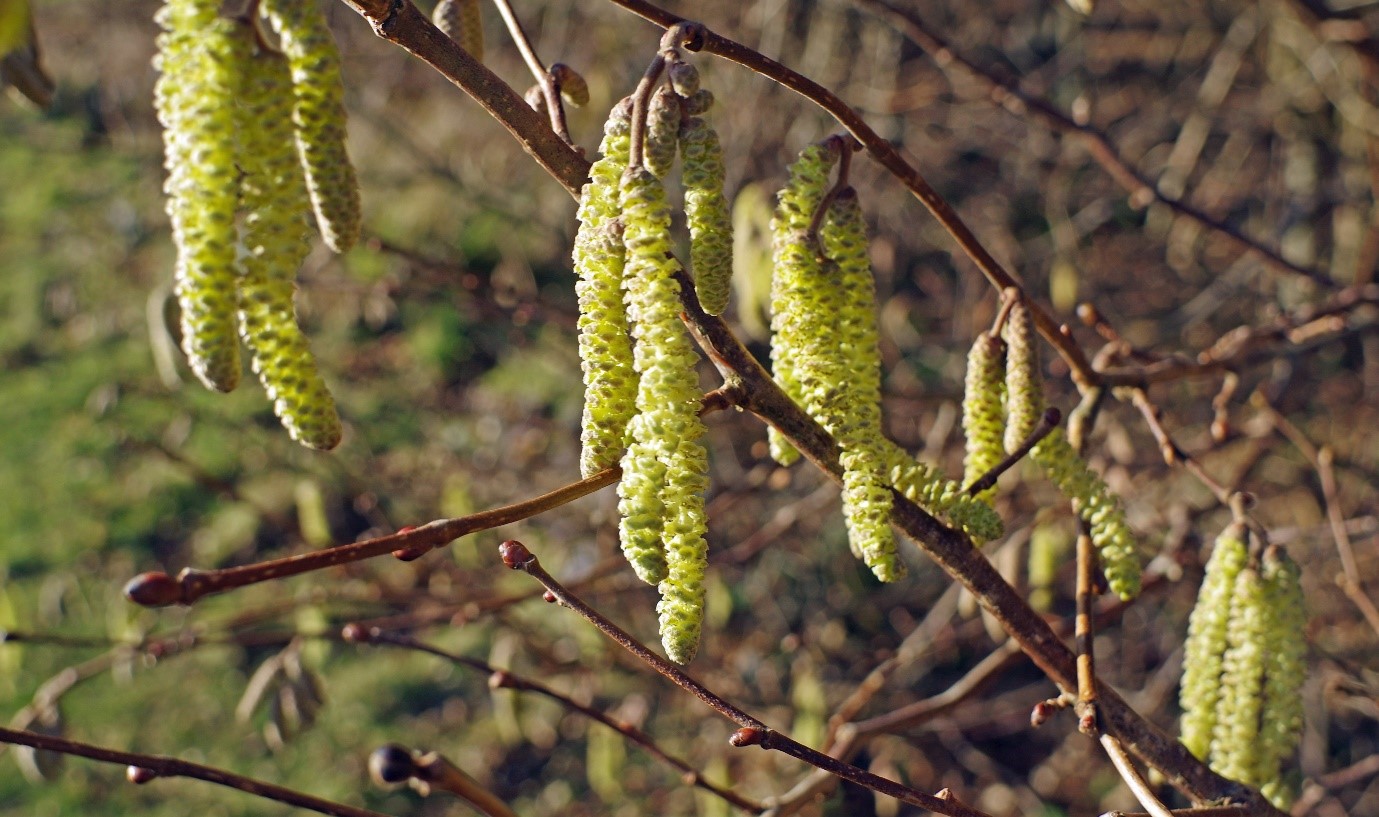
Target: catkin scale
[
  {"x": 707, "y": 213},
  {"x": 276, "y": 240},
  {"x": 605, "y": 346},
  {"x": 318, "y": 114},
  {"x": 662, "y": 129},
  {"x": 200, "y": 59}
]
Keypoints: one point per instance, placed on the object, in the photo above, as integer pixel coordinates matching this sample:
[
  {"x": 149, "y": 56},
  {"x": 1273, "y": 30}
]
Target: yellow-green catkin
[
  {"x": 796, "y": 279},
  {"x": 605, "y": 345},
  {"x": 201, "y": 59},
  {"x": 1236, "y": 751},
  {"x": 1098, "y": 506},
  {"x": 707, "y": 213},
  {"x": 667, "y": 423},
  {"x": 662, "y": 128},
  {"x": 1200, "y": 690},
  {"x": 1285, "y": 650},
  {"x": 276, "y": 237},
  {"x": 318, "y": 114},
  {"x": 848, "y": 396},
  {"x": 940, "y": 496},
  {"x": 462, "y": 21},
  {"x": 1024, "y": 384},
  {"x": 983, "y": 411}
]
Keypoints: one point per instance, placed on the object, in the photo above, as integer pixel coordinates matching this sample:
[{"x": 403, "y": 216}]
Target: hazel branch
[
  {"x": 144, "y": 768},
  {"x": 161, "y": 590}
]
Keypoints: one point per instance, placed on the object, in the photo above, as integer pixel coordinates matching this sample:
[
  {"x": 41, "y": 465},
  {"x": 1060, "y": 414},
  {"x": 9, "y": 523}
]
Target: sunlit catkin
[
  {"x": 201, "y": 58},
  {"x": 662, "y": 129},
  {"x": 605, "y": 346},
  {"x": 667, "y": 423},
  {"x": 462, "y": 21},
  {"x": 706, "y": 211},
  {"x": 1236, "y": 751},
  {"x": 1200, "y": 690},
  {"x": 1024, "y": 386},
  {"x": 796, "y": 279},
  {"x": 1285, "y": 650},
  {"x": 276, "y": 239},
  {"x": 942, "y": 497},
  {"x": 318, "y": 114},
  {"x": 983, "y": 411}
]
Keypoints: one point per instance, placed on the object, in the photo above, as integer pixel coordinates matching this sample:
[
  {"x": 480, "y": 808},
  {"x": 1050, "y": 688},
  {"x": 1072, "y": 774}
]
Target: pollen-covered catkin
[
  {"x": 662, "y": 129},
  {"x": 795, "y": 282},
  {"x": 1285, "y": 650},
  {"x": 276, "y": 239},
  {"x": 1098, "y": 506},
  {"x": 941, "y": 497},
  {"x": 201, "y": 58},
  {"x": 1235, "y": 747},
  {"x": 706, "y": 211},
  {"x": 318, "y": 113},
  {"x": 605, "y": 346},
  {"x": 1024, "y": 384},
  {"x": 462, "y": 21},
  {"x": 667, "y": 423},
  {"x": 1200, "y": 690},
  {"x": 983, "y": 412}
]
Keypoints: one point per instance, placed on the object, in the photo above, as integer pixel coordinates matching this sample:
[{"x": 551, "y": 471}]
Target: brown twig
[
  {"x": 752, "y": 732},
  {"x": 1047, "y": 423},
  {"x": 1084, "y": 636},
  {"x": 1133, "y": 779},
  {"x": 143, "y": 768},
  {"x": 505, "y": 679},
  {"x": 160, "y": 590}
]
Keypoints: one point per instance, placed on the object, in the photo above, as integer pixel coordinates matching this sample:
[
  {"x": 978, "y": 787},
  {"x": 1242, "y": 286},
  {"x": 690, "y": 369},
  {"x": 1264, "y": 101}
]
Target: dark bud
[
  {"x": 153, "y": 589},
  {"x": 411, "y": 553},
  {"x": 139, "y": 775},
  {"x": 355, "y": 633},
  {"x": 747, "y": 736},
  {"x": 391, "y": 765},
  {"x": 549, "y": 597},
  {"x": 498, "y": 680},
  {"x": 515, "y": 554}
]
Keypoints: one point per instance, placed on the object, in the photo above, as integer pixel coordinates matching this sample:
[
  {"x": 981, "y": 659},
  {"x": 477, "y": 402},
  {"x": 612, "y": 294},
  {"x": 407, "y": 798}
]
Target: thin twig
[
  {"x": 1084, "y": 636},
  {"x": 1133, "y": 779},
  {"x": 544, "y": 79},
  {"x": 753, "y": 732},
  {"x": 143, "y": 768}
]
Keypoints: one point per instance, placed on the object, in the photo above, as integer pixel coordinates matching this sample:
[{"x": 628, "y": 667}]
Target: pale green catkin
[
  {"x": 1236, "y": 751},
  {"x": 605, "y": 345},
  {"x": 667, "y": 423},
  {"x": 983, "y": 412},
  {"x": 276, "y": 239},
  {"x": 1285, "y": 650},
  {"x": 941, "y": 497},
  {"x": 795, "y": 281},
  {"x": 706, "y": 211},
  {"x": 462, "y": 21},
  {"x": 201, "y": 58},
  {"x": 1200, "y": 690},
  {"x": 662, "y": 128},
  {"x": 1098, "y": 506},
  {"x": 849, "y": 393},
  {"x": 318, "y": 113},
  {"x": 1024, "y": 384}
]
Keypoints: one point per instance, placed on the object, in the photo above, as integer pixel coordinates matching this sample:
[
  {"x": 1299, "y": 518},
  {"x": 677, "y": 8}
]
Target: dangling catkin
[
  {"x": 276, "y": 240},
  {"x": 662, "y": 127},
  {"x": 1235, "y": 747},
  {"x": 318, "y": 113},
  {"x": 1200, "y": 690},
  {"x": 1285, "y": 650},
  {"x": 462, "y": 21},
  {"x": 201, "y": 58},
  {"x": 706, "y": 211},
  {"x": 667, "y": 424},
  {"x": 796, "y": 284},
  {"x": 983, "y": 413},
  {"x": 1024, "y": 385},
  {"x": 605, "y": 347}
]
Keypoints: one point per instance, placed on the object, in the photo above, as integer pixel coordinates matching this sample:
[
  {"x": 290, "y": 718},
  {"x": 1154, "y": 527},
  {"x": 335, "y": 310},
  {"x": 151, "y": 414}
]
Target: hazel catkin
[
  {"x": 318, "y": 114},
  {"x": 201, "y": 59},
  {"x": 276, "y": 240},
  {"x": 662, "y": 129},
  {"x": 1200, "y": 689},
  {"x": 706, "y": 211},
  {"x": 983, "y": 412},
  {"x": 462, "y": 21}
]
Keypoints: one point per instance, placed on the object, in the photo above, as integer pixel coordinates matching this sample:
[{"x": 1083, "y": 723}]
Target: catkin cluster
[
  {"x": 642, "y": 392},
  {"x": 253, "y": 141},
  {"x": 1003, "y": 405},
  {"x": 1244, "y": 664},
  {"x": 825, "y": 355}
]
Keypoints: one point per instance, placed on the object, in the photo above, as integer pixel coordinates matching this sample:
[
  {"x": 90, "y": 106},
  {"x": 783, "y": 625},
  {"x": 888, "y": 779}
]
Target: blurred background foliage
[{"x": 448, "y": 339}]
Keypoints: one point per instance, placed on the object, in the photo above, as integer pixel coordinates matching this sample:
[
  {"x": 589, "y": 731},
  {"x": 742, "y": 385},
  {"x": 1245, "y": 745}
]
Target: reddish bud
[
  {"x": 153, "y": 589},
  {"x": 355, "y": 633},
  {"x": 549, "y": 597},
  {"x": 515, "y": 554},
  {"x": 747, "y": 736},
  {"x": 411, "y": 553},
  {"x": 498, "y": 679},
  {"x": 392, "y": 764},
  {"x": 139, "y": 775},
  {"x": 1041, "y": 713}
]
